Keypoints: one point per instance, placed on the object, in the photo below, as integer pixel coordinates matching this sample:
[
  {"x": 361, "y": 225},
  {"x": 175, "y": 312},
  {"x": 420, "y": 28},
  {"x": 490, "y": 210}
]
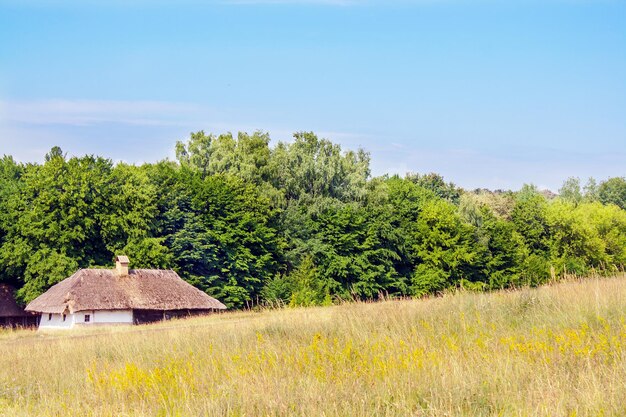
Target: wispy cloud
[
  {"x": 138, "y": 131},
  {"x": 92, "y": 112},
  {"x": 123, "y": 130},
  {"x": 133, "y": 131}
]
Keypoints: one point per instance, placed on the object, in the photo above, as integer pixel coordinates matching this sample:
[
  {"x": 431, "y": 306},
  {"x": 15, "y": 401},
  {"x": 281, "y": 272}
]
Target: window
[
  {"x": 87, "y": 318},
  {"x": 64, "y": 317},
  {"x": 49, "y": 316}
]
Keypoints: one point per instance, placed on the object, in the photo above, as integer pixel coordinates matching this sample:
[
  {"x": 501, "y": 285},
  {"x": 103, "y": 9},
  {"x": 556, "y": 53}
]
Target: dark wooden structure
[
  {"x": 151, "y": 316},
  {"x": 11, "y": 314}
]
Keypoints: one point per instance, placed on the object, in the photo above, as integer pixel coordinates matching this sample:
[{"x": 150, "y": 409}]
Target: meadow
[{"x": 557, "y": 350}]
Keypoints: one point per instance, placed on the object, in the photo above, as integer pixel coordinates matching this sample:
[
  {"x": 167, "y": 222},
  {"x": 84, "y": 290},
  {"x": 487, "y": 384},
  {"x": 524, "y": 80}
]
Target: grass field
[{"x": 552, "y": 351}]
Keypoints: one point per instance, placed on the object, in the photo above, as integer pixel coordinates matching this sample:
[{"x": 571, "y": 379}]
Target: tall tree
[
  {"x": 613, "y": 191},
  {"x": 570, "y": 191},
  {"x": 318, "y": 168},
  {"x": 10, "y": 184},
  {"x": 529, "y": 218},
  {"x": 54, "y": 219},
  {"x": 196, "y": 152},
  {"x": 435, "y": 183},
  {"x": 223, "y": 240},
  {"x": 443, "y": 248},
  {"x": 591, "y": 190}
]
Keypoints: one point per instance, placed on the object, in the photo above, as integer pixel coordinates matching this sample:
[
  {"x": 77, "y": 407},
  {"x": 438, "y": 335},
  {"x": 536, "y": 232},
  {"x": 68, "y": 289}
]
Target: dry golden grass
[{"x": 552, "y": 351}]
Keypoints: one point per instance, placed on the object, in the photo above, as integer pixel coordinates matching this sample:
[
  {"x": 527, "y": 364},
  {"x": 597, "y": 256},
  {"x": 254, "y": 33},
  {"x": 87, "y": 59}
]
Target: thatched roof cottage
[
  {"x": 120, "y": 296},
  {"x": 11, "y": 314}
]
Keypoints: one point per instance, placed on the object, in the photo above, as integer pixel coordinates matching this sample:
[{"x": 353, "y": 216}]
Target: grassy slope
[{"x": 557, "y": 351}]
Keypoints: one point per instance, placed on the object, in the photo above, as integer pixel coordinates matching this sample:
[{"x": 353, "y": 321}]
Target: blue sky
[{"x": 487, "y": 93}]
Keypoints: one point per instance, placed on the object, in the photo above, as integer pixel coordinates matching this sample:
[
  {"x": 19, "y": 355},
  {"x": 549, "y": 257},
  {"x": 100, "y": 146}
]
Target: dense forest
[{"x": 299, "y": 223}]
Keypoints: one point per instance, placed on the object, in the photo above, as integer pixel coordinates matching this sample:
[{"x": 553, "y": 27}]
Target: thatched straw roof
[
  {"x": 104, "y": 289},
  {"x": 8, "y": 306}
]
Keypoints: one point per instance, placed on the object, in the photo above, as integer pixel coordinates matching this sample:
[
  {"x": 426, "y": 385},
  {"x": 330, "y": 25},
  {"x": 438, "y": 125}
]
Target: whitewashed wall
[
  {"x": 78, "y": 319},
  {"x": 111, "y": 316},
  {"x": 55, "y": 321}
]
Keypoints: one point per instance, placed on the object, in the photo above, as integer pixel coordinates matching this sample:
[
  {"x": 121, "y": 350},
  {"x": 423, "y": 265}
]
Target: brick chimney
[{"x": 121, "y": 265}]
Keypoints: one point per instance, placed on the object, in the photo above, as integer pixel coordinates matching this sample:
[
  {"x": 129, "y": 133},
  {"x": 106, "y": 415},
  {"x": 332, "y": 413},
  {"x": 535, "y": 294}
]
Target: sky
[{"x": 489, "y": 94}]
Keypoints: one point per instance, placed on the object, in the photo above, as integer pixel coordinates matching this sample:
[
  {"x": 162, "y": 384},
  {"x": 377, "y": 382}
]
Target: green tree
[
  {"x": 10, "y": 186},
  {"x": 131, "y": 209},
  {"x": 45, "y": 267},
  {"x": 352, "y": 246},
  {"x": 609, "y": 223},
  {"x": 574, "y": 244},
  {"x": 404, "y": 201},
  {"x": 613, "y": 191},
  {"x": 223, "y": 240},
  {"x": 436, "y": 184},
  {"x": 443, "y": 248},
  {"x": 246, "y": 156},
  {"x": 500, "y": 248},
  {"x": 306, "y": 287},
  {"x": 570, "y": 191},
  {"x": 70, "y": 213},
  {"x": 55, "y": 152},
  {"x": 591, "y": 190},
  {"x": 318, "y": 168},
  {"x": 529, "y": 218},
  {"x": 196, "y": 152},
  {"x": 505, "y": 253}
]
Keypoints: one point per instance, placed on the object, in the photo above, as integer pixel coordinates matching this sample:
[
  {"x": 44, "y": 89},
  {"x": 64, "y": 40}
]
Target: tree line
[{"x": 299, "y": 223}]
